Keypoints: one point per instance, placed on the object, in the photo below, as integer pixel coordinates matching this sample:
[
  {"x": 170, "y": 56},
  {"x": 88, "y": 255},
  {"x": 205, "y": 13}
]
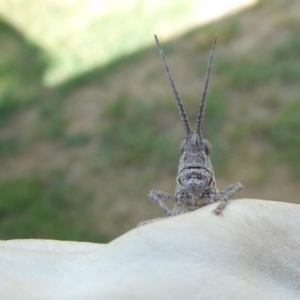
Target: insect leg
[
  {"x": 158, "y": 197},
  {"x": 149, "y": 221},
  {"x": 225, "y": 195}
]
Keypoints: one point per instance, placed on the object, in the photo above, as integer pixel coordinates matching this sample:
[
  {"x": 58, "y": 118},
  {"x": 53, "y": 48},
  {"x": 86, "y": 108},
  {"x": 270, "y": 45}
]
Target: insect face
[{"x": 194, "y": 166}]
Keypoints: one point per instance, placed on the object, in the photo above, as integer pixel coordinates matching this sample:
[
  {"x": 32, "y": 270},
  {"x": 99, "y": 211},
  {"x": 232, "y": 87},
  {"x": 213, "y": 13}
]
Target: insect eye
[{"x": 207, "y": 147}]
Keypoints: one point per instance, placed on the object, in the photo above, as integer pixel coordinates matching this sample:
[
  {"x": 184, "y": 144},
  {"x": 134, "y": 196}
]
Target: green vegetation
[
  {"x": 246, "y": 73},
  {"x": 283, "y": 134},
  {"x": 225, "y": 32},
  {"x": 22, "y": 67},
  {"x": 9, "y": 146},
  {"x": 289, "y": 50},
  {"x": 286, "y": 60},
  {"x": 50, "y": 121},
  {"x": 43, "y": 207},
  {"x": 281, "y": 130},
  {"x": 21, "y": 64},
  {"x": 76, "y": 139},
  {"x": 134, "y": 133}
]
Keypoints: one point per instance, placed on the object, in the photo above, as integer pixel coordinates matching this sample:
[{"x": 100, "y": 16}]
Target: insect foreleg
[
  {"x": 225, "y": 195},
  {"x": 158, "y": 197}
]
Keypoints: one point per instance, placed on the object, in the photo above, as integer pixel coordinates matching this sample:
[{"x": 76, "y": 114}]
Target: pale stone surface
[{"x": 252, "y": 252}]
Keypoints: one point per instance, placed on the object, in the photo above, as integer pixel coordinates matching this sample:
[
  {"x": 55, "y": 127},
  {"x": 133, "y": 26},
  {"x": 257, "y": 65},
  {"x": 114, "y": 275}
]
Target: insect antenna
[
  {"x": 201, "y": 112},
  {"x": 182, "y": 113}
]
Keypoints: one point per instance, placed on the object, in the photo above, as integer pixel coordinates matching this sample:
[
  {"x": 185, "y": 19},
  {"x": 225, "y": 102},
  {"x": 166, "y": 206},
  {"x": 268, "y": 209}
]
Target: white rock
[{"x": 251, "y": 252}]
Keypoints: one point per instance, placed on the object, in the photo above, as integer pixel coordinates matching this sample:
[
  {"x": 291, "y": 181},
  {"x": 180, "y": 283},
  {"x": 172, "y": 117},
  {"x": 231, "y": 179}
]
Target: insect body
[{"x": 196, "y": 183}]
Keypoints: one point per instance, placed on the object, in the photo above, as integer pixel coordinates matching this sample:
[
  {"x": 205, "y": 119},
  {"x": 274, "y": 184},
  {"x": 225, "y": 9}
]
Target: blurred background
[{"x": 88, "y": 121}]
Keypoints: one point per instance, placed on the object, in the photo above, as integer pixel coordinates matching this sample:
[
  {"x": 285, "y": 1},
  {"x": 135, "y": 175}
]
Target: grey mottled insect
[{"x": 196, "y": 183}]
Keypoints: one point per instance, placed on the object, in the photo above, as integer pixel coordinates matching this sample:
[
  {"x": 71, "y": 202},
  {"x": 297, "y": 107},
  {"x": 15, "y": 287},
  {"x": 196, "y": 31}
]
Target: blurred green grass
[
  {"x": 37, "y": 207},
  {"x": 282, "y": 132},
  {"x": 133, "y": 133},
  {"x": 22, "y": 66}
]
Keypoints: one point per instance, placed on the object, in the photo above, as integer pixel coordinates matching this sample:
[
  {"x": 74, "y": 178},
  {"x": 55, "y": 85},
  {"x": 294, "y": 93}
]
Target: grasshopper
[{"x": 196, "y": 183}]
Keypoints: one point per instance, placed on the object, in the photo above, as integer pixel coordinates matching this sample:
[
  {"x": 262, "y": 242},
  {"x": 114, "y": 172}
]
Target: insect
[{"x": 196, "y": 183}]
